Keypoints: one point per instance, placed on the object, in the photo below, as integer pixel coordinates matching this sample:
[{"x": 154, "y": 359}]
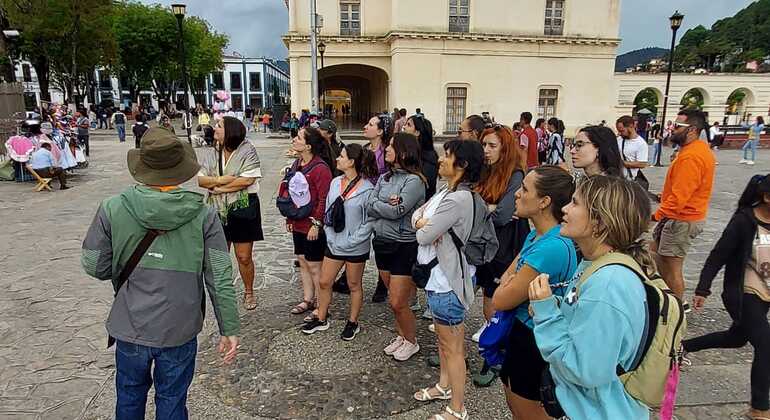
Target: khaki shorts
[{"x": 674, "y": 237}]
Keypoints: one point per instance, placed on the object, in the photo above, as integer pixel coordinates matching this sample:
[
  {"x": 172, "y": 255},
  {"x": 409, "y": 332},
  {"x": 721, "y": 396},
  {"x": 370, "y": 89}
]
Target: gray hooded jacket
[
  {"x": 394, "y": 223},
  {"x": 354, "y": 240}
]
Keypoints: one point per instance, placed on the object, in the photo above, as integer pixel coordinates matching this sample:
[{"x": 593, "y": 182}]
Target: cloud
[
  {"x": 644, "y": 23},
  {"x": 255, "y": 27}
]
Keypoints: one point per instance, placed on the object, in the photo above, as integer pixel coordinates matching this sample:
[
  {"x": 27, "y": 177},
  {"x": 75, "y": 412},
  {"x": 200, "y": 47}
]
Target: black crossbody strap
[{"x": 350, "y": 186}]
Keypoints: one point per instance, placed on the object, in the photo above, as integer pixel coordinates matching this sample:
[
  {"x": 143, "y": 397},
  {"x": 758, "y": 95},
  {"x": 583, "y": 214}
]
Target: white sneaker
[
  {"x": 751, "y": 162},
  {"x": 394, "y": 345},
  {"x": 742, "y": 161},
  {"x": 406, "y": 351},
  {"x": 432, "y": 328},
  {"x": 475, "y": 337}
]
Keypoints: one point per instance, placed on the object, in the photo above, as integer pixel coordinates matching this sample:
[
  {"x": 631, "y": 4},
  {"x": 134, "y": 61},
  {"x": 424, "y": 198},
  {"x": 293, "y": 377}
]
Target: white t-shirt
[
  {"x": 437, "y": 282},
  {"x": 635, "y": 150},
  {"x": 714, "y": 131}
]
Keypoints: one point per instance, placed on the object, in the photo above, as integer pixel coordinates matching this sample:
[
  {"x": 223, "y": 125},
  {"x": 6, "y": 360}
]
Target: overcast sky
[{"x": 255, "y": 26}]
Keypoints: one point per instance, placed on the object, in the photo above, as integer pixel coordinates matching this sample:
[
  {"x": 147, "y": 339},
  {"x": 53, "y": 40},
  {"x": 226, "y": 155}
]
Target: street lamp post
[
  {"x": 179, "y": 11},
  {"x": 322, "y": 50},
  {"x": 676, "y": 23}
]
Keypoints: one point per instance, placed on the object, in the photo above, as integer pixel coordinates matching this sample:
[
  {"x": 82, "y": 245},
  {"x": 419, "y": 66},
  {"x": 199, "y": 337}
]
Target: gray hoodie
[
  {"x": 394, "y": 223},
  {"x": 354, "y": 240}
]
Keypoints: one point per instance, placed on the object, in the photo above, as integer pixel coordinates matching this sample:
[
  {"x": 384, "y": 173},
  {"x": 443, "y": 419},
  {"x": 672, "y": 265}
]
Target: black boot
[
  {"x": 381, "y": 293},
  {"x": 341, "y": 285}
]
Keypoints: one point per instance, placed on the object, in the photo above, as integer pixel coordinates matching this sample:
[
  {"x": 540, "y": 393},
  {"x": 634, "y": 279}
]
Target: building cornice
[{"x": 455, "y": 36}]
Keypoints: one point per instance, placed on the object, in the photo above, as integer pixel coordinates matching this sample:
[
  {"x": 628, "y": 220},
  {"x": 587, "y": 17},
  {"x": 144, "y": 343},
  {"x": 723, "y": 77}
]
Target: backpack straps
[{"x": 612, "y": 258}]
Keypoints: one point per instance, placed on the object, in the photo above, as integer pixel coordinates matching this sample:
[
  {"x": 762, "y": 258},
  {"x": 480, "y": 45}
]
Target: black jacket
[
  {"x": 430, "y": 170},
  {"x": 732, "y": 251}
]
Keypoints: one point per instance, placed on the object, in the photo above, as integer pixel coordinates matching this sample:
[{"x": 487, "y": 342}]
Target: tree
[{"x": 648, "y": 99}]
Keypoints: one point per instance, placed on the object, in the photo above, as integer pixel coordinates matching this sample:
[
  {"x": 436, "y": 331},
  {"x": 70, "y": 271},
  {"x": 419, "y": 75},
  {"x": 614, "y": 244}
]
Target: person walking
[
  {"x": 248, "y": 116},
  {"x": 684, "y": 200},
  {"x": 83, "y": 126},
  {"x": 744, "y": 252},
  {"x": 449, "y": 287},
  {"x": 396, "y": 196},
  {"x": 544, "y": 192},
  {"x": 231, "y": 172},
  {"x": 139, "y": 128},
  {"x": 755, "y": 133},
  {"x": 633, "y": 149},
  {"x": 348, "y": 236},
  {"x": 118, "y": 120},
  {"x": 147, "y": 235},
  {"x": 265, "y": 122},
  {"x": 595, "y": 151},
  {"x": 594, "y": 330}
]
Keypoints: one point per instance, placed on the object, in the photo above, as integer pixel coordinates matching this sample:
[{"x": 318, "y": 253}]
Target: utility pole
[{"x": 313, "y": 58}]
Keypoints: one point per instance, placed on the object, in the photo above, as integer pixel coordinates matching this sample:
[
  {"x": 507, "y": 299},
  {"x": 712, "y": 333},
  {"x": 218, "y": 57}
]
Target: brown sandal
[
  {"x": 249, "y": 301},
  {"x": 302, "y": 307}
]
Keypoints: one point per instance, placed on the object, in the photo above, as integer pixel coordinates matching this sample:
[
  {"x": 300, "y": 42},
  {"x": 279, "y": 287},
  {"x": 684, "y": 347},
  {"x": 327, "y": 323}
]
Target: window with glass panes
[
  {"x": 235, "y": 81},
  {"x": 459, "y": 15},
  {"x": 217, "y": 79},
  {"x": 546, "y": 107},
  {"x": 237, "y": 101},
  {"x": 350, "y": 17},
  {"x": 554, "y": 17},
  {"x": 455, "y": 108},
  {"x": 255, "y": 83}
]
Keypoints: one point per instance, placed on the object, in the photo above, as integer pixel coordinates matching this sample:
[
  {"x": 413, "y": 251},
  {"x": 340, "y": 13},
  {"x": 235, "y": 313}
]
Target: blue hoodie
[{"x": 585, "y": 336}]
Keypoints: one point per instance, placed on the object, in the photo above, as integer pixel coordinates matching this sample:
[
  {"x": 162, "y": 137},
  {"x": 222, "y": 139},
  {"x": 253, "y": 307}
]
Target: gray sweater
[
  {"x": 393, "y": 223},
  {"x": 456, "y": 212},
  {"x": 354, "y": 240}
]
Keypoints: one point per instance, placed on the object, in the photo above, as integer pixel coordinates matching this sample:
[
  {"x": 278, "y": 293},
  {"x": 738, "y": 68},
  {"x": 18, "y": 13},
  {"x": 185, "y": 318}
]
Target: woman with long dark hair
[
  {"x": 395, "y": 197},
  {"x": 422, "y": 128},
  {"x": 346, "y": 244},
  {"x": 744, "y": 252},
  {"x": 595, "y": 151},
  {"x": 308, "y": 233},
  {"x": 230, "y": 172},
  {"x": 504, "y": 170},
  {"x": 556, "y": 151}
]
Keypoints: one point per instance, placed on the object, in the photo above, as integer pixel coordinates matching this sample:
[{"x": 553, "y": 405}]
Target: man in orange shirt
[{"x": 685, "y": 199}]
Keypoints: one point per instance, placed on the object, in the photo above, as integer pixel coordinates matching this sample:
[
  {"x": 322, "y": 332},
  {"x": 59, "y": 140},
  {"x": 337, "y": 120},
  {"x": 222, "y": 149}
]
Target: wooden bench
[{"x": 42, "y": 183}]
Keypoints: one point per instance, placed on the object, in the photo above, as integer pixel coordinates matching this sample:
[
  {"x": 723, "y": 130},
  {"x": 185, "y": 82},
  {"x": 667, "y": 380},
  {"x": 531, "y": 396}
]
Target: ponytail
[{"x": 752, "y": 194}]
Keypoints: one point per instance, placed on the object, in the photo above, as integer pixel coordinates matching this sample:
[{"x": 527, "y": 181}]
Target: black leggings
[{"x": 753, "y": 329}]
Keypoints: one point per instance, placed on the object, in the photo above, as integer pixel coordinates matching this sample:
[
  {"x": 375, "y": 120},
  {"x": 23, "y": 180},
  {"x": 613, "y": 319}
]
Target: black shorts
[
  {"x": 523, "y": 367},
  {"x": 353, "y": 259},
  {"x": 488, "y": 277},
  {"x": 398, "y": 258},
  {"x": 313, "y": 251}
]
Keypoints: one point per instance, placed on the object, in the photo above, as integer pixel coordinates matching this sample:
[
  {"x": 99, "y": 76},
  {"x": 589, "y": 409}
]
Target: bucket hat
[{"x": 162, "y": 159}]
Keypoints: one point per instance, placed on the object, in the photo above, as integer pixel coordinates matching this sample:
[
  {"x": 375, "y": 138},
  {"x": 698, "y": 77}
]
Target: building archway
[
  {"x": 737, "y": 106},
  {"x": 648, "y": 98},
  {"x": 366, "y": 86},
  {"x": 695, "y": 98}
]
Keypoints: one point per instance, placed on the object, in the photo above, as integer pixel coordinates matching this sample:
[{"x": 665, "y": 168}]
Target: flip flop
[{"x": 249, "y": 302}]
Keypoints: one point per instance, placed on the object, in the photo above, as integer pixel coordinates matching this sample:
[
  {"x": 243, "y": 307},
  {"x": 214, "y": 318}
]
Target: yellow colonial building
[{"x": 452, "y": 58}]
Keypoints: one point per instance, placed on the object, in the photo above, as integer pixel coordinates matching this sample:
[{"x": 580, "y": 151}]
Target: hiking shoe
[
  {"x": 393, "y": 346},
  {"x": 406, "y": 351},
  {"x": 477, "y": 335},
  {"x": 380, "y": 293},
  {"x": 350, "y": 331},
  {"x": 315, "y": 325},
  {"x": 485, "y": 377}
]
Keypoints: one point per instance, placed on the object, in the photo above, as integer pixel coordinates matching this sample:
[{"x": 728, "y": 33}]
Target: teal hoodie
[
  {"x": 161, "y": 304},
  {"x": 586, "y": 335}
]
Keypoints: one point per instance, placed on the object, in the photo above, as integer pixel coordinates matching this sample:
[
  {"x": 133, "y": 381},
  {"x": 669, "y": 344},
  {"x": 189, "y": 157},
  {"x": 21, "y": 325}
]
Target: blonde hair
[{"x": 621, "y": 211}]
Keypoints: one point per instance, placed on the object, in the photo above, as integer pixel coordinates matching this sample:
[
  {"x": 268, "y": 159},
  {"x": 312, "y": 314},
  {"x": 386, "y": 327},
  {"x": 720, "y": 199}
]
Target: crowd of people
[{"x": 557, "y": 247}]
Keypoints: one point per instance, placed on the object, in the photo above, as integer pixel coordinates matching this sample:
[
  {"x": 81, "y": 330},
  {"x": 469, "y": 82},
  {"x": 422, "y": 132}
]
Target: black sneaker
[
  {"x": 315, "y": 325},
  {"x": 350, "y": 331},
  {"x": 381, "y": 293}
]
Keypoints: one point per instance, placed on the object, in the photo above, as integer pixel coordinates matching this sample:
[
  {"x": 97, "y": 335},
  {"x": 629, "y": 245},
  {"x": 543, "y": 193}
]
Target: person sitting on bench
[{"x": 43, "y": 163}]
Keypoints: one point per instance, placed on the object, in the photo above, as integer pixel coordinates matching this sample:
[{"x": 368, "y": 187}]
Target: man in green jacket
[{"x": 159, "y": 310}]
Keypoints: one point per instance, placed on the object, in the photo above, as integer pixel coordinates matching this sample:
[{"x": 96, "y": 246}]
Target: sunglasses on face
[{"x": 680, "y": 125}]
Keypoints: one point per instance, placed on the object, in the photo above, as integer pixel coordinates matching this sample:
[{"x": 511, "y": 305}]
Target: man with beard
[{"x": 685, "y": 199}]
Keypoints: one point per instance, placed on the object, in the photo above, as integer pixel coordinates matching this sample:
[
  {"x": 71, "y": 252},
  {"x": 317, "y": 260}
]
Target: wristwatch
[{"x": 316, "y": 223}]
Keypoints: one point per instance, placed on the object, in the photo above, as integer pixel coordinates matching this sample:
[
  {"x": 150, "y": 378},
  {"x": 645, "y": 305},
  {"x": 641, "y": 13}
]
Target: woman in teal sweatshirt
[{"x": 598, "y": 326}]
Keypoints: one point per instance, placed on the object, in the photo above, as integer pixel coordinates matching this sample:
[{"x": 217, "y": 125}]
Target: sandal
[
  {"x": 249, "y": 301},
  {"x": 302, "y": 307},
  {"x": 455, "y": 414},
  {"x": 424, "y": 395}
]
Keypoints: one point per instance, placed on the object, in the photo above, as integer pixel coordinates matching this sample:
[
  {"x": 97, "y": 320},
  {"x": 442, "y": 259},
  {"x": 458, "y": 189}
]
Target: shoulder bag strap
[{"x": 350, "y": 186}]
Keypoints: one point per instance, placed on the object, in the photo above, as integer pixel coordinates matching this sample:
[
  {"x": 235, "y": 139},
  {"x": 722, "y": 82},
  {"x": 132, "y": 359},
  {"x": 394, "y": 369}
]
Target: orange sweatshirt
[{"x": 689, "y": 181}]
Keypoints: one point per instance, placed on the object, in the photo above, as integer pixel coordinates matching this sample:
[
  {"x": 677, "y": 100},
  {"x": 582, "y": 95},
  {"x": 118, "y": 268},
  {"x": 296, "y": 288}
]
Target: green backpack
[{"x": 658, "y": 352}]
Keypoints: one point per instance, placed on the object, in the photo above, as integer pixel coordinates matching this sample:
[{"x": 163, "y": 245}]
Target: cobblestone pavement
[{"x": 54, "y": 365}]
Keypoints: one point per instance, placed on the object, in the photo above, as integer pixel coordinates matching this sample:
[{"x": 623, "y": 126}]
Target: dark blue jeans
[{"x": 173, "y": 372}]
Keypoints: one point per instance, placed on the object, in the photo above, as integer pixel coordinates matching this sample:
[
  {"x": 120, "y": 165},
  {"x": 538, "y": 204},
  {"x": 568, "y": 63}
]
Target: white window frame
[
  {"x": 452, "y": 122},
  {"x": 542, "y": 109},
  {"x": 458, "y": 6},
  {"x": 551, "y": 17},
  {"x": 346, "y": 6}
]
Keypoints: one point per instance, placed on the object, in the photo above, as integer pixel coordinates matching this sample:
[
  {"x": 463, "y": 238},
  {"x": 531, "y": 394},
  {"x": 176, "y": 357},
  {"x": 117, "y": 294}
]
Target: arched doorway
[
  {"x": 695, "y": 98},
  {"x": 736, "y": 107},
  {"x": 366, "y": 89},
  {"x": 648, "y": 99}
]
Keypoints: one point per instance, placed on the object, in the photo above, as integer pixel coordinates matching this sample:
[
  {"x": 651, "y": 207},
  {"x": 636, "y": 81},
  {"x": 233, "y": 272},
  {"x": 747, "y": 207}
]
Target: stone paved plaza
[{"x": 54, "y": 363}]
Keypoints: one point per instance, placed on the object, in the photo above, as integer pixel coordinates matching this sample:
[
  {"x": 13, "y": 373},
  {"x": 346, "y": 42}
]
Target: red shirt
[
  {"x": 319, "y": 179},
  {"x": 532, "y": 160}
]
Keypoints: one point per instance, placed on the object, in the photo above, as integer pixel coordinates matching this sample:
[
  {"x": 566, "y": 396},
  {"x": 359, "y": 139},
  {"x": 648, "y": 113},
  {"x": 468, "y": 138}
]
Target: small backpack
[
  {"x": 120, "y": 119},
  {"x": 657, "y": 358},
  {"x": 294, "y": 187},
  {"x": 482, "y": 243}
]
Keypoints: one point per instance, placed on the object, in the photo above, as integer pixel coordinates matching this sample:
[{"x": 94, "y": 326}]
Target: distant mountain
[{"x": 632, "y": 58}]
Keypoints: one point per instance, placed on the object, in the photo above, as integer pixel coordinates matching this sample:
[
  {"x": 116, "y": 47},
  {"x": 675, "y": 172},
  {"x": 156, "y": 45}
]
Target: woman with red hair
[{"x": 506, "y": 165}]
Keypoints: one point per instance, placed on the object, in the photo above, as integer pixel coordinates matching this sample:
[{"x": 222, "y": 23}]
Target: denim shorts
[{"x": 446, "y": 308}]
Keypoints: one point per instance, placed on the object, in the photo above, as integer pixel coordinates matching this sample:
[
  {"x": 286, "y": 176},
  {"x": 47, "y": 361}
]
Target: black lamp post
[
  {"x": 322, "y": 50},
  {"x": 676, "y": 23},
  {"x": 179, "y": 11}
]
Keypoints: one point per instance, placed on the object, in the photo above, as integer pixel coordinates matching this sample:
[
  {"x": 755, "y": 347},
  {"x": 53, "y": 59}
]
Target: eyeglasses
[
  {"x": 579, "y": 144},
  {"x": 460, "y": 131},
  {"x": 680, "y": 125}
]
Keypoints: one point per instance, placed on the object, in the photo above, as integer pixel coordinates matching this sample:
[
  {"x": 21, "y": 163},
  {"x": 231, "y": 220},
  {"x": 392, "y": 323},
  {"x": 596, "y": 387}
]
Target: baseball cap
[{"x": 327, "y": 125}]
